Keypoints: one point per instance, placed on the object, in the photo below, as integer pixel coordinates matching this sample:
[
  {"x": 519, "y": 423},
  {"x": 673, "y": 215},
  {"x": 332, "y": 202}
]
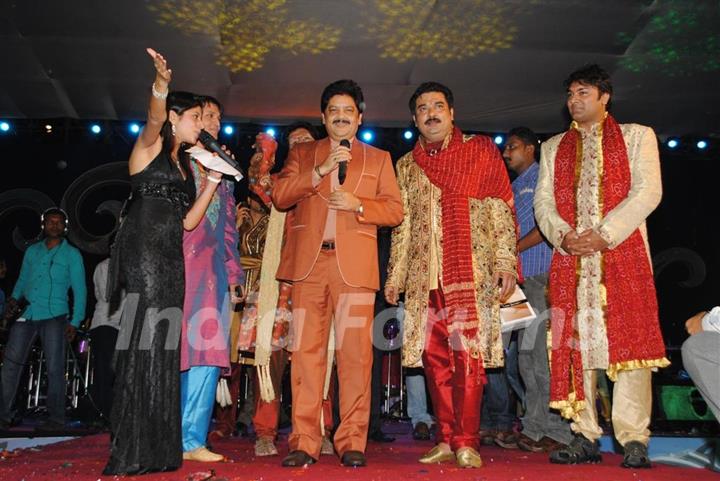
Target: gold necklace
[{"x": 179, "y": 168}]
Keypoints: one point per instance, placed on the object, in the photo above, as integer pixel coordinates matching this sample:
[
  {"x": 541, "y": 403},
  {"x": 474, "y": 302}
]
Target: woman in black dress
[{"x": 147, "y": 260}]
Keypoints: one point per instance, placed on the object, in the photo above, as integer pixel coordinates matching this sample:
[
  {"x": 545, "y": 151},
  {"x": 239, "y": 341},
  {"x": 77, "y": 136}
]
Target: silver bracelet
[
  {"x": 214, "y": 180},
  {"x": 159, "y": 95}
]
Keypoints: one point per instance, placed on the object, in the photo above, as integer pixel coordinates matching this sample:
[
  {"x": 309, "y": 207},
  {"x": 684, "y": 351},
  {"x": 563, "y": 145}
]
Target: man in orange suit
[{"x": 330, "y": 256}]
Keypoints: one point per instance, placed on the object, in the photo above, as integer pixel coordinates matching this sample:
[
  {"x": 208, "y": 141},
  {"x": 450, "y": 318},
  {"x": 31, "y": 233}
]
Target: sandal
[
  {"x": 636, "y": 455},
  {"x": 580, "y": 450}
]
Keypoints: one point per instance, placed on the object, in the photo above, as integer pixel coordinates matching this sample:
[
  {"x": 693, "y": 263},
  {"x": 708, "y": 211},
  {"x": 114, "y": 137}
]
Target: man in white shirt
[
  {"x": 103, "y": 333},
  {"x": 701, "y": 355}
]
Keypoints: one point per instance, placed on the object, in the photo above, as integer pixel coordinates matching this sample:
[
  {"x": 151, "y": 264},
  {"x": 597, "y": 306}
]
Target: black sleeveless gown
[{"x": 147, "y": 260}]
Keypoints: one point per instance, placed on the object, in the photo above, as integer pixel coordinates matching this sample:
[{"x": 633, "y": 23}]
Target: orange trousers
[
  {"x": 322, "y": 298},
  {"x": 267, "y": 414}
]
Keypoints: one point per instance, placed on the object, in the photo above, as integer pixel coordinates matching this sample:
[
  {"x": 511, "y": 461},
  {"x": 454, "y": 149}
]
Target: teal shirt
[{"x": 45, "y": 277}]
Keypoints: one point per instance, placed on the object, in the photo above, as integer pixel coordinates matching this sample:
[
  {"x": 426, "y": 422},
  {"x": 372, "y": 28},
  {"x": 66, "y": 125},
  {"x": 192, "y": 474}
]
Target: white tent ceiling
[{"x": 268, "y": 60}]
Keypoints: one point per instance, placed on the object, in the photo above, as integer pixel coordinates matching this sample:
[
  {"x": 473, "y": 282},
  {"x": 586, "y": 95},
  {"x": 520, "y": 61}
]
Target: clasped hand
[{"x": 584, "y": 244}]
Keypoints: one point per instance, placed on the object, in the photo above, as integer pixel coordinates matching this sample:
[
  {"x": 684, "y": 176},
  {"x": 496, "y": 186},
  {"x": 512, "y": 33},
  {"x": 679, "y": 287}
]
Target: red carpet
[{"x": 83, "y": 459}]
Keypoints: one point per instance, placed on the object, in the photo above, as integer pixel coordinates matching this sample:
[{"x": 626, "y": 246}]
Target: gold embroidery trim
[
  {"x": 613, "y": 369},
  {"x": 600, "y": 171},
  {"x": 569, "y": 408}
]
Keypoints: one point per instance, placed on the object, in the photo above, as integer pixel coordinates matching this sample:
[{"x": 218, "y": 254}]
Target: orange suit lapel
[
  {"x": 322, "y": 149},
  {"x": 355, "y": 167}
]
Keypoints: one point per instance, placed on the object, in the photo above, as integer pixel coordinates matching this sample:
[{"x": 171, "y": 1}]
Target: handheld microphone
[
  {"x": 213, "y": 146},
  {"x": 342, "y": 166}
]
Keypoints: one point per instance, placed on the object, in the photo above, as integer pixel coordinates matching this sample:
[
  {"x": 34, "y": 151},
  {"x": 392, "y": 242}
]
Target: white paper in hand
[
  {"x": 213, "y": 162},
  {"x": 516, "y": 312}
]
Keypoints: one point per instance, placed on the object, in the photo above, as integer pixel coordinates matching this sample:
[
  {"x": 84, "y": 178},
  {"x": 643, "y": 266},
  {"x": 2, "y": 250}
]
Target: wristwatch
[{"x": 360, "y": 210}]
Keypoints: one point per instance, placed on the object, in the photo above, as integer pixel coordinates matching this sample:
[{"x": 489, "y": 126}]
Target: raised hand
[
  {"x": 242, "y": 215},
  {"x": 163, "y": 72},
  {"x": 338, "y": 154}
]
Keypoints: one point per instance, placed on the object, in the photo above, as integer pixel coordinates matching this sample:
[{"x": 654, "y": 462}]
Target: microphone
[
  {"x": 213, "y": 146},
  {"x": 342, "y": 166}
]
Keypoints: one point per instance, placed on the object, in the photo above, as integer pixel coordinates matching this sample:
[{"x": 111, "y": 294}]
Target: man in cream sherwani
[{"x": 598, "y": 183}]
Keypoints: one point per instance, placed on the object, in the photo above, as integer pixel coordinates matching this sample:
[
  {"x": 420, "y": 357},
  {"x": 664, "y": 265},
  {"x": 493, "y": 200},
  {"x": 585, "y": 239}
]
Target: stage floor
[{"x": 83, "y": 458}]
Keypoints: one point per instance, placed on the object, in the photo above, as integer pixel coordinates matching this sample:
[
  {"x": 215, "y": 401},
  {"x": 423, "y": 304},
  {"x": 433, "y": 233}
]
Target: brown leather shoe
[
  {"x": 506, "y": 439},
  {"x": 297, "y": 459},
  {"x": 530, "y": 445},
  {"x": 353, "y": 459},
  {"x": 487, "y": 436},
  {"x": 550, "y": 445}
]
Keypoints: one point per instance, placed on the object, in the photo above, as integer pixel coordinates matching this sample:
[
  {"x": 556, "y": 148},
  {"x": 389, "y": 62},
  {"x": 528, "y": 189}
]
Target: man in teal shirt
[{"x": 50, "y": 267}]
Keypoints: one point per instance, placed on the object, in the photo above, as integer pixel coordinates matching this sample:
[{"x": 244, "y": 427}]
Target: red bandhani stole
[
  {"x": 463, "y": 170},
  {"x": 631, "y": 311}
]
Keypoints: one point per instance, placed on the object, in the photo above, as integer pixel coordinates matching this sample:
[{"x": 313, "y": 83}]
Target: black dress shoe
[
  {"x": 353, "y": 459},
  {"x": 297, "y": 458},
  {"x": 421, "y": 432},
  {"x": 380, "y": 437}
]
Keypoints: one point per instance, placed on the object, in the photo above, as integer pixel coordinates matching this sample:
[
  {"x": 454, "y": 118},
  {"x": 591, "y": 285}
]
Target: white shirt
[
  {"x": 101, "y": 316},
  {"x": 711, "y": 320}
]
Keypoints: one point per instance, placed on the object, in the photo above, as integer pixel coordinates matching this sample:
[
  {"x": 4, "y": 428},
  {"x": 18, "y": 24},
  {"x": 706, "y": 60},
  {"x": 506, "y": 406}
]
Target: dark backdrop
[{"x": 683, "y": 235}]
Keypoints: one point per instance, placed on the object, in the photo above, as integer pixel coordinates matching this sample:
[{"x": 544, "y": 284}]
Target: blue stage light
[
  {"x": 673, "y": 143},
  {"x": 95, "y": 129},
  {"x": 499, "y": 139},
  {"x": 702, "y": 144},
  {"x": 4, "y": 126},
  {"x": 408, "y": 134},
  {"x": 270, "y": 131},
  {"x": 368, "y": 136},
  {"x": 134, "y": 128},
  {"x": 229, "y": 130}
]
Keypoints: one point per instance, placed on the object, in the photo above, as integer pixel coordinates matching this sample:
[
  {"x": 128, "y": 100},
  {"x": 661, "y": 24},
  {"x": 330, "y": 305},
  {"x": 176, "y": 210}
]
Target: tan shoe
[
  {"x": 437, "y": 455},
  {"x": 468, "y": 458},
  {"x": 265, "y": 446},
  {"x": 327, "y": 446},
  {"x": 203, "y": 455}
]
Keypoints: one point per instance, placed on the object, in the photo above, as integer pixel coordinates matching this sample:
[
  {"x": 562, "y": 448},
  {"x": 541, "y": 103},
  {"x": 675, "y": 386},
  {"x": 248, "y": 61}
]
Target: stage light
[
  {"x": 95, "y": 129},
  {"x": 4, "y": 126},
  {"x": 673, "y": 143},
  {"x": 499, "y": 139},
  {"x": 48, "y": 128},
  {"x": 408, "y": 134},
  {"x": 368, "y": 136},
  {"x": 702, "y": 144},
  {"x": 134, "y": 128},
  {"x": 228, "y": 129},
  {"x": 270, "y": 131}
]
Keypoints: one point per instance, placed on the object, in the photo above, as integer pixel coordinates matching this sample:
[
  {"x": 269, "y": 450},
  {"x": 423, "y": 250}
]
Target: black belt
[{"x": 328, "y": 246}]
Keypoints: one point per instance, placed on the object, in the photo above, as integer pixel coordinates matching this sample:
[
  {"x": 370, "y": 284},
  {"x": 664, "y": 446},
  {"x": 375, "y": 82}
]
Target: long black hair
[{"x": 178, "y": 102}]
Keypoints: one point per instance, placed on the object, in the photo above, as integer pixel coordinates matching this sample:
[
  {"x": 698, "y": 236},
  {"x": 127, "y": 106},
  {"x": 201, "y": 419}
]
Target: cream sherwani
[{"x": 632, "y": 403}]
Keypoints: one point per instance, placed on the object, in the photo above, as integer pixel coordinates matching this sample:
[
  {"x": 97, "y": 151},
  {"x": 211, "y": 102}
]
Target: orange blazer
[{"x": 370, "y": 176}]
